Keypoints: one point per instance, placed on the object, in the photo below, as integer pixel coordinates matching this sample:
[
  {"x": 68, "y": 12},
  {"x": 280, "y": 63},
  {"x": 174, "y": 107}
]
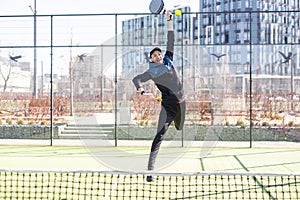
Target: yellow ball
[{"x": 178, "y": 12}]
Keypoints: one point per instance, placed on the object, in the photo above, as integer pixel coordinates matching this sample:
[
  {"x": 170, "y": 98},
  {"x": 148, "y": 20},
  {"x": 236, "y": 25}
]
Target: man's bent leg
[{"x": 180, "y": 116}]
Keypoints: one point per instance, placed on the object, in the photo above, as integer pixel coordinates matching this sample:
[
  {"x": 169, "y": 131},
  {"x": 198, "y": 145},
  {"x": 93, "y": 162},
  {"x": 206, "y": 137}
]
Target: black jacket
[{"x": 166, "y": 79}]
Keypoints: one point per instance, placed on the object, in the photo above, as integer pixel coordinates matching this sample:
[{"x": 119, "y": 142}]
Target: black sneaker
[{"x": 150, "y": 178}]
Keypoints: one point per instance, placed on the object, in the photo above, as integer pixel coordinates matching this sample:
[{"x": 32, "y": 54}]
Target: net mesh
[{"x": 121, "y": 185}]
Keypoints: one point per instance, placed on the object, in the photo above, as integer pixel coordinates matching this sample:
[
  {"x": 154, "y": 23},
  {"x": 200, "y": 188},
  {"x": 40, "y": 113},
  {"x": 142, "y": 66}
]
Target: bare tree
[{"x": 5, "y": 70}]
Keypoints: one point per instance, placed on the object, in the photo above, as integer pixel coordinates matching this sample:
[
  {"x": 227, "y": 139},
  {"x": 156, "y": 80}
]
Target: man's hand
[
  {"x": 141, "y": 90},
  {"x": 169, "y": 20},
  {"x": 169, "y": 16}
]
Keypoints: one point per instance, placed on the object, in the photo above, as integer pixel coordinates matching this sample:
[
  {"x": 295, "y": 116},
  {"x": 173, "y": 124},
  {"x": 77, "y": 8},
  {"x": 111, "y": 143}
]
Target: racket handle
[{"x": 148, "y": 94}]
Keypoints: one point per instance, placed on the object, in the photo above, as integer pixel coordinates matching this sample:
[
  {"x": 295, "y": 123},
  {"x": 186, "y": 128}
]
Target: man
[{"x": 163, "y": 73}]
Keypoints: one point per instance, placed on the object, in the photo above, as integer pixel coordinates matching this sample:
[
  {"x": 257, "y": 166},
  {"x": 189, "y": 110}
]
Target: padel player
[{"x": 163, "y": 73}]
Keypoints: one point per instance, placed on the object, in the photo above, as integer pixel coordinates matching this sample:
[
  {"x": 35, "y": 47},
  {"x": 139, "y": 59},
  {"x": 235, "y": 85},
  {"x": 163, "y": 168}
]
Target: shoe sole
[{"x": 150, "y": 179}]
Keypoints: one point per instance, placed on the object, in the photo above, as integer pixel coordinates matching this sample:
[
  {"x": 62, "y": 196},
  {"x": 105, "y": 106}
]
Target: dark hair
[{"x": 155, "y": 49}]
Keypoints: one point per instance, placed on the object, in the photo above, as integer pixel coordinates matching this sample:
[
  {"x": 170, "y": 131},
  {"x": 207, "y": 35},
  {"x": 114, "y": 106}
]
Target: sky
[{"x": 16, "y": 31}]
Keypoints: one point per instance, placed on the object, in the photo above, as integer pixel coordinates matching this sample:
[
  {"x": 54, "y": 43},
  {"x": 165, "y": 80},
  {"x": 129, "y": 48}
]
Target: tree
[{"x": 5, "y": 71}]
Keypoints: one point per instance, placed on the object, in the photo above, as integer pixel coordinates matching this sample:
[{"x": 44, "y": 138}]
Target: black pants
[{"x": 170, "y": 111}]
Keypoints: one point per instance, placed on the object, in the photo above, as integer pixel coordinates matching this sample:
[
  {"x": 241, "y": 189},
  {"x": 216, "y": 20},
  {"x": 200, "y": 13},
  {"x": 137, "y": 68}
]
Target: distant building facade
[{"x": 251, "y": 34}]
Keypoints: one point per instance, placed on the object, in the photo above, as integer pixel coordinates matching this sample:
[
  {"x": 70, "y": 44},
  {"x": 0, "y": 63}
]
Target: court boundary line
[{"x": 254, "y": 178}]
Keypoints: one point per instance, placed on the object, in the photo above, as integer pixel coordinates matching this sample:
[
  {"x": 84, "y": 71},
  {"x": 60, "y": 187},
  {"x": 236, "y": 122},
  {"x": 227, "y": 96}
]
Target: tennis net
[{"x": 104, "y": 185}]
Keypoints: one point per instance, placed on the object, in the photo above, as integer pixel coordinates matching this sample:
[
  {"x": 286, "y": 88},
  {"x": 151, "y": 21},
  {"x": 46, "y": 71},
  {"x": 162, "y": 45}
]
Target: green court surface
[
  {"x": 210, "y": 171},
  {"x": 267, "y": 158}
]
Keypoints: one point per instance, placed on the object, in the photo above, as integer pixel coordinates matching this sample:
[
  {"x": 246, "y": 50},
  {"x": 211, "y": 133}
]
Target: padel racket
[{"x": 157, "y": 7}]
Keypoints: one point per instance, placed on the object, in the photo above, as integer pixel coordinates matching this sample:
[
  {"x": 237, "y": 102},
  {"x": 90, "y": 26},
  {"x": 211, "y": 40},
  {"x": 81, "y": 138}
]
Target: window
[
  {"x": 218, "y": 19},
  {"x": 239, "y": 5},
  {"x": 247, "y": 5},
  {"x": 209, "y": 35}
]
